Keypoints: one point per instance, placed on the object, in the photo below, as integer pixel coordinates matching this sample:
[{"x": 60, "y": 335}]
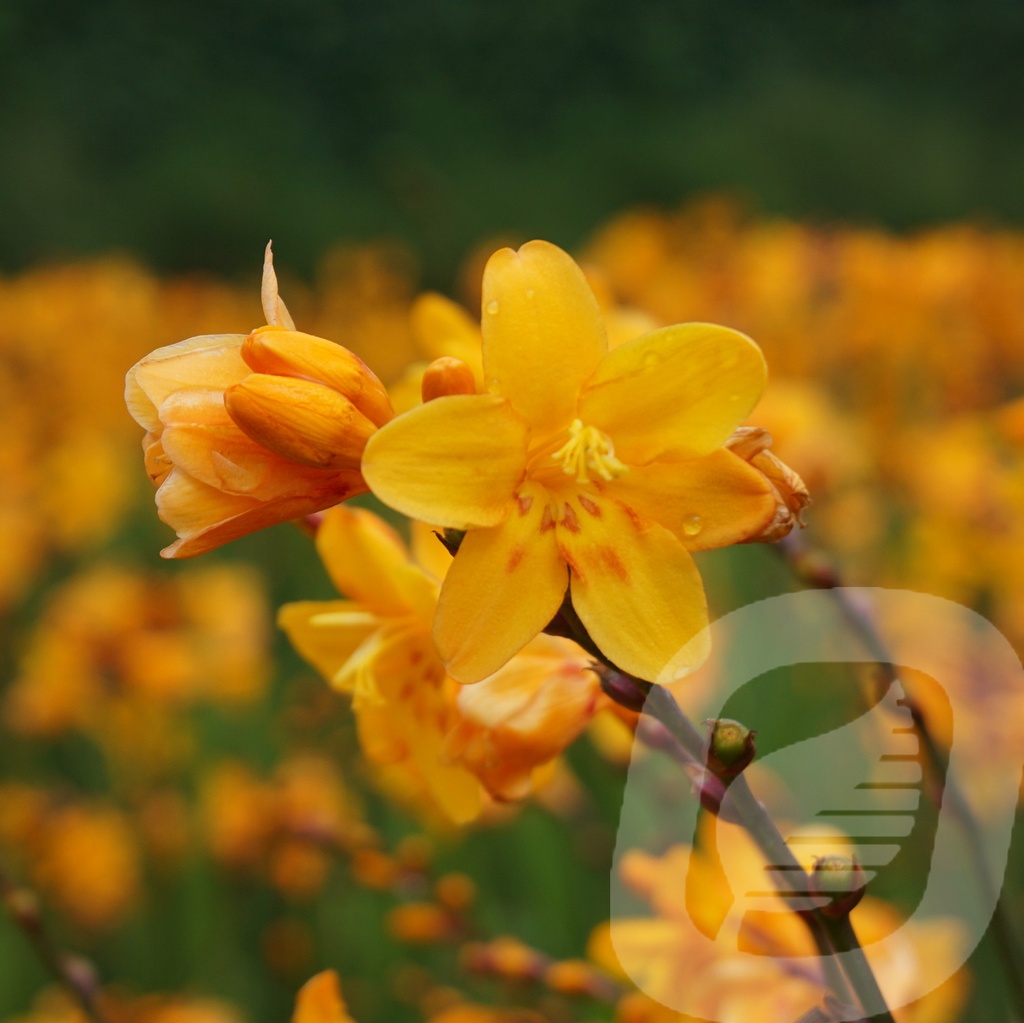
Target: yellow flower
[
  {"x": 598, "y": 470},
  {"x": 377, "y": 647},
  {"x": 244, "y": 432}
]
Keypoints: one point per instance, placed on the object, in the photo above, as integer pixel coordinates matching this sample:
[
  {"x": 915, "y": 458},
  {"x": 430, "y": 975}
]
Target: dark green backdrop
[{"x": 189, "y": 132}]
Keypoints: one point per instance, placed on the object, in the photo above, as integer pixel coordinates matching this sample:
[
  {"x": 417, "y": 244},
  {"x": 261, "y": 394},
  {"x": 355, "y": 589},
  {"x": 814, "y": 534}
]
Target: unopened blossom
[
  {"x": 245, "y": 431},
  {"x": 582, "y": 468}
]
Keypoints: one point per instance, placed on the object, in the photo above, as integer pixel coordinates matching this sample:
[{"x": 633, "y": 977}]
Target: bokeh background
[{"x": 843, "y": 181}]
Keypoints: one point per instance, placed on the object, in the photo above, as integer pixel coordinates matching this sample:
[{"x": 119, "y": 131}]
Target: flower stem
[
  {"x": 75, "y": 974},
  {"x": 813, "y": 570},
  {"x": 844, "y": 939}
]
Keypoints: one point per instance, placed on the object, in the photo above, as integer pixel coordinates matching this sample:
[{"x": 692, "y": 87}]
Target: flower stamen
[{"x": 588, "y": 450}]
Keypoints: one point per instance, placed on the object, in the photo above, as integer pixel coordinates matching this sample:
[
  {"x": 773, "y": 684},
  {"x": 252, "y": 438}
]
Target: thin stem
[
  {"x": 812, "y": 570},
  {"x": 74, "y": 973},
  {"x": 844, "y": 938}
]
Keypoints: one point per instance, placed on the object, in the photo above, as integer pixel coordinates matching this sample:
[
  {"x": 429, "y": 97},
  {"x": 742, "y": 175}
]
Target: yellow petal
[
  {"x": 274, "y": 308},
  {"x": 503, "y": 588},
  {"x": 300, "y": 420},
  {"x": 455, "y": 461},
  {"x": 428, "y": 551},
  {"x": 326, "y": 633},
  {"x": 211, "y": 361},
  {"x": 542, "y": 330},
  {"x": 635, "y": 588},
  {"x": 319, "y": 1001},
  {"x": 293, "y": 354},
  {"x": 707, "y": 502},
  {"x": 368, "y": 562},
  {"x": 678, "y": 392},
  {"x": 442, "y": 327}
]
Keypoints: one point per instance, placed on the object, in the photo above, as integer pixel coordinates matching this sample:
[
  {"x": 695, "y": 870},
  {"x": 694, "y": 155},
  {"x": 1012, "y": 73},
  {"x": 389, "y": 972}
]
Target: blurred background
[{"x": 841, "y": 181}]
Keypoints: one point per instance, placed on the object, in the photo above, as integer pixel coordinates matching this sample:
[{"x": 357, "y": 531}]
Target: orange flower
[{"x": 244, "y": 432}]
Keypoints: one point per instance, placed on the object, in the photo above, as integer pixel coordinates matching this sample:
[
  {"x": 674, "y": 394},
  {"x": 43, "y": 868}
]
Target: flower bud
[
  {"x": 752, "y": 444},
  {"x": 730, "y": 747},
  {"x": 447, "y": 376},
  {"x": 290, "y": 353},
  {"x": 841, "y": 880},
  {"x": 303, "y": 421}
]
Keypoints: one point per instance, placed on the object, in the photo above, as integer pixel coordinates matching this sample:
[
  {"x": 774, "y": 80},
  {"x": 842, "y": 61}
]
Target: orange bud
[
  {"x": 446, "y": 376},
  {"x": 300, "y": 420},
  {"x": 289, "y": 353}
]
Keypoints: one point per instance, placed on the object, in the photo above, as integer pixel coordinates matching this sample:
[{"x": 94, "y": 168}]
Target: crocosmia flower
[
  {"x": 582, "y": 468},
  {"x": 245, "y": 431}
]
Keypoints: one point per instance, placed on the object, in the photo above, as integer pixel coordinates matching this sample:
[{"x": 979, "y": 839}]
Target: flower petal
[
  {"x": 677, "y": 392},
  {"x": 211, "y": 361},
  {"x": 707, "y": 502},
  {"x": 543, "y": 332},
  {"x": 635, "y": 588},
  {"x": 368, "y": 562},
  {"x": 504, "y": 586},
  {"x": 205, "y": 517},
  {"x": 326, "y": 633},
  {"x": 455, "y": 461}
]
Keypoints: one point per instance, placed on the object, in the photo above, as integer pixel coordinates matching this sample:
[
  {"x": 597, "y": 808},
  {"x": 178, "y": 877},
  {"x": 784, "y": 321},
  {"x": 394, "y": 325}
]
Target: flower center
[{"x": 587, "y": 451}]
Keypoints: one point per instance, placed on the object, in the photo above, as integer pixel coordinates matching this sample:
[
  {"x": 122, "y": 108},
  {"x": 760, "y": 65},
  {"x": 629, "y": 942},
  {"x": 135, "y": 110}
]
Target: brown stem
[
  {"x": 813, "y": 570},
  {"x": 73, "y": 972}
]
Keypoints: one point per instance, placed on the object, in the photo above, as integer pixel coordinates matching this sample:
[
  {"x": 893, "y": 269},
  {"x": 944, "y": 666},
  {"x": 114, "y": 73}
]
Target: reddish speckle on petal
[
  {"x": 525, "y": 502},
  {"x": 611, "y": 560},
  {"x": 569, "y": 519},
  {"x": 514, "y": 558},
  {"x": 547, "y": 520},
  {"x": 634, "y": 517},
  {"x": 574, "y": 567},
  {"x": 590, "y": 505}
]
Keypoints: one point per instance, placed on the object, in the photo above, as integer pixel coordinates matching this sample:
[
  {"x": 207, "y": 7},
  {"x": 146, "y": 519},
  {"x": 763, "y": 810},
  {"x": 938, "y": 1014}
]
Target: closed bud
[
  {"x": 730, "y": 747},
  {"x": 447, "y": 376},
  {"x": 841, "y": 880},
  {"x": 290, "y": 353},
  {"x": 300, "y": 420}
]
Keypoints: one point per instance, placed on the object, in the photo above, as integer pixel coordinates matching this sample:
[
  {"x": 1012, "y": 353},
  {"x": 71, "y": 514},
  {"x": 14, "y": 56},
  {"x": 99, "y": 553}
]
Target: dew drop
[
  {"x": 492, "y": 306},
  {"x": 692, "y": 525}
]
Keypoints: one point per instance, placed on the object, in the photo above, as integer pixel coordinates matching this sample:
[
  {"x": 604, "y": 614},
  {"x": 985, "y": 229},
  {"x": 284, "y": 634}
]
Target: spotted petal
[
  {"x": 636, "y": 589},
  {"x": 505, "y": 585},
  {"x": 707, "y": 502}
]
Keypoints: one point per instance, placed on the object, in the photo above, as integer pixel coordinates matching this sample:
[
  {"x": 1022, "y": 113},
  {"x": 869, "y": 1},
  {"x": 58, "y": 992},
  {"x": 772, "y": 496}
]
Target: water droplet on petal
[
  {"x": 492, "y": 306},
  {"x": 692, "y": 525}
]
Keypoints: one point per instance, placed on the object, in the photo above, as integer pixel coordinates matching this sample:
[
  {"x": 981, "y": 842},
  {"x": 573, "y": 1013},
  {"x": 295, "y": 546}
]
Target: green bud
[
  {"x": 839, "y": 878},
  {"x": 730, "y": 747}
]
